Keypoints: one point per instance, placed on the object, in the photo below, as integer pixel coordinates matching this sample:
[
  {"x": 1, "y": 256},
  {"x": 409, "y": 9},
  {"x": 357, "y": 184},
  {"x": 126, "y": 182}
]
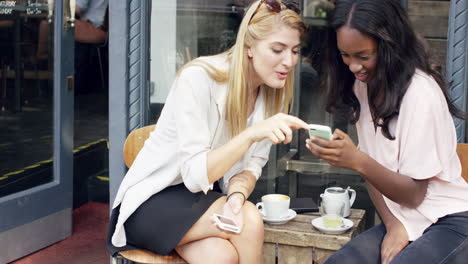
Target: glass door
[{"x": 36, "y": 124}]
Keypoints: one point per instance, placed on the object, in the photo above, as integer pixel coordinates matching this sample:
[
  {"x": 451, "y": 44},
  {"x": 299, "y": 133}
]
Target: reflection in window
[
  {"x": 184, "y": 30},
  {"x": 26, "y": 96}
]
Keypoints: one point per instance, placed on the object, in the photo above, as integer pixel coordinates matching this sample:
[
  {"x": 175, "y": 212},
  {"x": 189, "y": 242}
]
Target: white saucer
[
  {"x": 345, "y": 226},
  {"x": 279, "y": 221}
]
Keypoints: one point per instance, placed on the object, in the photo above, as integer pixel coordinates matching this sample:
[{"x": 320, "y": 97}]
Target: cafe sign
[{"x": 6, "y": 7}]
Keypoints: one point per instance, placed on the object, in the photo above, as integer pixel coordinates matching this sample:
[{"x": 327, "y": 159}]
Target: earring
[{"x": 249, "y": 53}]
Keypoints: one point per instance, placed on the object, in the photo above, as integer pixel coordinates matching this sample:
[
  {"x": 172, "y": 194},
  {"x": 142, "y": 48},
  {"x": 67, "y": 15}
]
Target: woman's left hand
[
  {"x": 395, "y": 240},
  {"x": 233, "y": 209},
  {"x": 339, "y": 152}
]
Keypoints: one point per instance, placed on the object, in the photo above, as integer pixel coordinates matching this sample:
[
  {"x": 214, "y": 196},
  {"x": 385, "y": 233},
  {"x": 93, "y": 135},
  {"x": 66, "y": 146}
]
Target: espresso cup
[
  {"x": 274, "y": 206},
  {"x": 332, "y": 212}
]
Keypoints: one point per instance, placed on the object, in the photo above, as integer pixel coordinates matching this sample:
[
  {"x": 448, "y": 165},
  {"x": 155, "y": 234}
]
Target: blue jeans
[{"x": 445, "y": 242}]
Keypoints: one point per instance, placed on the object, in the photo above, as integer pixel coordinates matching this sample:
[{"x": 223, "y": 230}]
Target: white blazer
[{"x": 191, "y": 124}]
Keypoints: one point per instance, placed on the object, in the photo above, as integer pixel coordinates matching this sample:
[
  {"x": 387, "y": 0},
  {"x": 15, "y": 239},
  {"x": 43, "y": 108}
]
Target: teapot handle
[{"x": 353, "y": 197}]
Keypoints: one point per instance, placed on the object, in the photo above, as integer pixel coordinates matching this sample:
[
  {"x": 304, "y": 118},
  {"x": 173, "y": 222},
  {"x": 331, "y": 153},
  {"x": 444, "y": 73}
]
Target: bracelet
[{"x": 227, "y": 198}]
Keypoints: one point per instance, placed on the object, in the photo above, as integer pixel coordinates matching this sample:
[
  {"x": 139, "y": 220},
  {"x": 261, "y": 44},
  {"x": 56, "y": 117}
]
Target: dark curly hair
[{"x": 400, "y": 51}]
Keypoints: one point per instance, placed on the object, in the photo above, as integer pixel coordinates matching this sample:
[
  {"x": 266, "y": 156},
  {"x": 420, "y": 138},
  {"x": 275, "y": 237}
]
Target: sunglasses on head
[{"x": 275, "y": 6}]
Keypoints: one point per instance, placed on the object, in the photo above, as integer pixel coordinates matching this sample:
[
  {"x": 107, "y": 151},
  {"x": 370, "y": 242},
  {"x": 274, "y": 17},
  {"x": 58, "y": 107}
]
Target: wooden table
[{"x": 299, "y": 242}]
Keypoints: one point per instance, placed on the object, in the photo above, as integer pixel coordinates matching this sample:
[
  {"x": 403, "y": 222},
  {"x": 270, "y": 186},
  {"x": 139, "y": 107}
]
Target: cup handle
[
  {"x": 259, "y": 206},
  {"x": 353, "y": 197},
  {"x": 320, "y": 207}
]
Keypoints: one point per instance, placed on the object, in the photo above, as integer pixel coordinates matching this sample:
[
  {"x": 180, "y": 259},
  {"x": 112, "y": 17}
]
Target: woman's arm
[
  {"x": 341, "y": 152},
  {"x": 240, "y": 187},
  {"x": 396, "y": 238},
  {"x": 243, "y": 182},
  {"x": 192, "y": 107},
  {"x": 388, "y": 218},
  {"x": 277, "y": 128},
  {"x": 221, "y": 160},
  {"x": 399, "y": 188}
]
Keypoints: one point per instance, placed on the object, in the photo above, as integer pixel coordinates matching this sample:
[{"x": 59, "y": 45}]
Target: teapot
[{"x": 340, "y": 194}]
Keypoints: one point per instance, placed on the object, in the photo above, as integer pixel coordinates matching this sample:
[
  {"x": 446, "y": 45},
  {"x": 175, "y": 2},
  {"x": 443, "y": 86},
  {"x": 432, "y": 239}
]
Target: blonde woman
[{"x": 210, "y": 144}]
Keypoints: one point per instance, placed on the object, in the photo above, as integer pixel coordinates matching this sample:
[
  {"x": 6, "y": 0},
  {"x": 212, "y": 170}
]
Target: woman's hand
[
  {"x": 277, "y": 128},
  {"x": 339, "y": 152},
  {"x": 232, "y": 209},
  {"x": 394, "y": 242}
]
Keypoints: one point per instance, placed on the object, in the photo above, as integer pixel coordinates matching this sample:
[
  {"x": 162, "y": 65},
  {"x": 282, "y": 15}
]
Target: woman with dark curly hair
[{"x": 377, "y": 70}]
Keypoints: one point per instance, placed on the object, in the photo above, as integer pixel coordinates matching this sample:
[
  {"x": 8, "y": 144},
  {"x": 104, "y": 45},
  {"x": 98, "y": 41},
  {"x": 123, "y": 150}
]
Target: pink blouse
[{"x": 424, "y": 148}]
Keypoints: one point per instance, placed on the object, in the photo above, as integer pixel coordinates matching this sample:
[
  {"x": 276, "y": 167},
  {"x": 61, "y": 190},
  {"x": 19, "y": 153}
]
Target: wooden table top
[{"x": 300, "y": 232}]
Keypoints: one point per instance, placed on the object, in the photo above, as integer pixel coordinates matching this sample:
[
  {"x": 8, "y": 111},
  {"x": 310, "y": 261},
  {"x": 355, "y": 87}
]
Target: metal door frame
[
  {"x": 457, "y": 60},
  {"x": 37, "y": 217}
]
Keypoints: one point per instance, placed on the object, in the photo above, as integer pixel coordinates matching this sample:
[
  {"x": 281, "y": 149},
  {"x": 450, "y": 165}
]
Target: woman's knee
[
  {"x": 209, "y": 250},
  {"x": 253, "y": 222},
  {"x": 222, "y": 252},
  {"x": 365, "y": 248},
  {"x": 230, "y": 256}
]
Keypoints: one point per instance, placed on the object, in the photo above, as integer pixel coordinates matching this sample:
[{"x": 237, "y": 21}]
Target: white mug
[
  {"x": 274, "y": 206},
  {"x": 341, "y": 194}
]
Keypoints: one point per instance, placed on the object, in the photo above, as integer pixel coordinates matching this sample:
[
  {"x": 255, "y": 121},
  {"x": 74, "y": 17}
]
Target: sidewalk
[{"x": 86, "y": 245}]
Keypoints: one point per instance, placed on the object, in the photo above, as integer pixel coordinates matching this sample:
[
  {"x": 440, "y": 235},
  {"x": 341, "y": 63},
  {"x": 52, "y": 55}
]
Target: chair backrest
[
  {"x": 462, "y": 151},
  {"x": 132, "y": 146},
  {"x": 135, "y": 142}
]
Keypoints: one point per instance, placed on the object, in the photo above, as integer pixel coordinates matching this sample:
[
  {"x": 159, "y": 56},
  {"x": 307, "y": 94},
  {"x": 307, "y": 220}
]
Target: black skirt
[{"x": 161, "y": 221}]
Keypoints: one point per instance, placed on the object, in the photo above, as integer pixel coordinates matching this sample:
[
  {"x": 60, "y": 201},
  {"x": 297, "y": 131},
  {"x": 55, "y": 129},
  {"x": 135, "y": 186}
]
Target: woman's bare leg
[
  {"x": 209, "y": 250},
  {"x": 248, "y": 244}
]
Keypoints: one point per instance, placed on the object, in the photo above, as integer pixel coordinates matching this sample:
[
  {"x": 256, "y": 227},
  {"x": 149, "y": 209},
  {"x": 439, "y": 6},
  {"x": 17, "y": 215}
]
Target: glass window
[
  {"x": 183, "y": 30},
  {"x": 26, "y": 95}
]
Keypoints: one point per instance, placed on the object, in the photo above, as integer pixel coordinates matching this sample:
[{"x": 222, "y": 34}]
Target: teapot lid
[{"x": 336, "y": 191}]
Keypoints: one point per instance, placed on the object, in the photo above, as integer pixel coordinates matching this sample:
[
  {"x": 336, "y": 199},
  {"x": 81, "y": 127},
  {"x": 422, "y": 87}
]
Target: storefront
[
  {"x": 172, "y": 33},
  {"x": 41, "y": 119},
  {"x": 148, "y": 42}
]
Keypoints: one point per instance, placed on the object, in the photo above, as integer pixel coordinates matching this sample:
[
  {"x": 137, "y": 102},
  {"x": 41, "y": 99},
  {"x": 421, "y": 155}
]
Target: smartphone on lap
[{"x": 226, "y": 223}]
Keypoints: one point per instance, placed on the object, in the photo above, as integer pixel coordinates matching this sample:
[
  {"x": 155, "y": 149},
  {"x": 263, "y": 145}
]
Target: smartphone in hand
[
  {"x": 320, "y": 131},
  {"x": 226, "y": 223}
]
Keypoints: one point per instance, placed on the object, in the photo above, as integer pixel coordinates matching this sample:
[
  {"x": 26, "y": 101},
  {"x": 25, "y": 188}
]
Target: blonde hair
[{"x": 252, "y": 29}]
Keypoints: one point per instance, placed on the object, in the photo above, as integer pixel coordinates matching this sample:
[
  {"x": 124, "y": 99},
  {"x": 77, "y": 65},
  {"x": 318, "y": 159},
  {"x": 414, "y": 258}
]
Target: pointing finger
[{"x": 296, "y": 123}]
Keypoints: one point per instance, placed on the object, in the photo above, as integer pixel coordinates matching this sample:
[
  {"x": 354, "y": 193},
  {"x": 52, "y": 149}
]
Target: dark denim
[{"x": 445, "y": 242}]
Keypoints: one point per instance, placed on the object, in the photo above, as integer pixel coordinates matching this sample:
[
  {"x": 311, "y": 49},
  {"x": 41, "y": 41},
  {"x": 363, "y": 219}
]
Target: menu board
[
  {"x": 34, "y": 7},
  {"x": 30, "y": 7},
  {"x": 6, "y": 7}
]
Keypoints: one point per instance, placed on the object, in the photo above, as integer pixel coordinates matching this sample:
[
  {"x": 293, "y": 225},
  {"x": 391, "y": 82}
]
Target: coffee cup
[
  {"x": 274, "y": 206},
  {"x": 332, "y": 212}
]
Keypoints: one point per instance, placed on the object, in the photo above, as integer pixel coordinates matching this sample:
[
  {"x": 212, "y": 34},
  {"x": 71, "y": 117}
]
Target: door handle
[
  {"x": 50, "y": 5},
  {"x": 69, "y": 13},
  {"x": 71, "y": 18},
  {"x": 70, "y": 83}
]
